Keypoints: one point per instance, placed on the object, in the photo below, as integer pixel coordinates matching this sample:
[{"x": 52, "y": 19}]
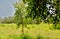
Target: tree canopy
[{"x": 38, "y": 9}]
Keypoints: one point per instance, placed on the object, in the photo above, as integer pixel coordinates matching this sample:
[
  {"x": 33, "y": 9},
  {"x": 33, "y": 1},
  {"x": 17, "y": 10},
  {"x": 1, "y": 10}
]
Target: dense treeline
[
  {"x": 7, "y": 20},
  {"x": 10, "y": 19}
]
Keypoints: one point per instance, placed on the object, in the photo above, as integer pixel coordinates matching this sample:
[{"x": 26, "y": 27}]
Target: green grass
[{"x": 41, "y": 31}]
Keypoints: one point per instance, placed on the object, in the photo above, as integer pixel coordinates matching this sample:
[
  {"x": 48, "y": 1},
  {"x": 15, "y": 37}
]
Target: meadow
[{"x": 32, "y": 31}]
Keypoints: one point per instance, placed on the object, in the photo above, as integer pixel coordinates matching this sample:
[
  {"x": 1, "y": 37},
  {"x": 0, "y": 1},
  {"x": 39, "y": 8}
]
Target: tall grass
[
  {"x": 25, "y": 36},
  {"x": 32, "y": 31}
]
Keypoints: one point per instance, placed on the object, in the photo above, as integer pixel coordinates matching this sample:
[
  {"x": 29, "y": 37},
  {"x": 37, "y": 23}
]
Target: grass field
[{"x": 41, "y": 31}]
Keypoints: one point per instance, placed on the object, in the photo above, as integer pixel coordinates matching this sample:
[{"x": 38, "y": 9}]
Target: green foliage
[
  {"x": 27, "y": 10},
  {"x": 20, "y": 13},
  {"x": 56, "y": 19},
  {"x": 37, "y": 9}
]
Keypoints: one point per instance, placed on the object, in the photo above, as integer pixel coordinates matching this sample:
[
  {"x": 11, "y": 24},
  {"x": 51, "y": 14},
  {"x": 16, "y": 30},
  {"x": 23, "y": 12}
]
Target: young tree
[{"x": 20, "y": 14}]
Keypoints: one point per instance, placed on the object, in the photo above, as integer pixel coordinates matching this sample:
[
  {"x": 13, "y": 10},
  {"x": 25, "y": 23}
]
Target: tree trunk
[
  {"x": 22, "y": 28},
  {"x": 22, "y": 25}
]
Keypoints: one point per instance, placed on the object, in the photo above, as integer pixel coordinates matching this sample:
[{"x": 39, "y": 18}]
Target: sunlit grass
[{"x": 34, "y": 31}]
